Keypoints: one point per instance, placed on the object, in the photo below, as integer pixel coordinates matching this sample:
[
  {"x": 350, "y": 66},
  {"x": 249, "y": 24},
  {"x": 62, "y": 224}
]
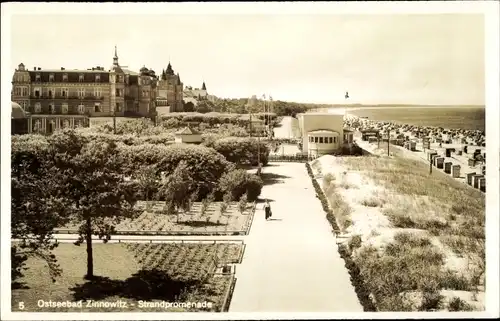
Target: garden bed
[
  {"x": 414, "y": 241},
  {"x": 151, "y": 272},
  {"x": 155, "y": 221}
]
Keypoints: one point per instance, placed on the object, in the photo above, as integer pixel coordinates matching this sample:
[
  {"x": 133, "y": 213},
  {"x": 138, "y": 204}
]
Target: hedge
[
  {"x": 240, "y": 182},
  {"x": 356, "y": 278},
  {"x": 241, "y": 150},
  {"x": 212, "y": 119}
]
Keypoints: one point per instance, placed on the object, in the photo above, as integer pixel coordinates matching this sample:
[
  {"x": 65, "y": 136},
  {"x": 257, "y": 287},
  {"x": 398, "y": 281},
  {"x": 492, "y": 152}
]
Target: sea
[{"x": 471, "y": 118}]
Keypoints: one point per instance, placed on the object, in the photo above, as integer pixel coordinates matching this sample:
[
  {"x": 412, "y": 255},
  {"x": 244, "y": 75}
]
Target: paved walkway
[{"x": 291, "y": 264}]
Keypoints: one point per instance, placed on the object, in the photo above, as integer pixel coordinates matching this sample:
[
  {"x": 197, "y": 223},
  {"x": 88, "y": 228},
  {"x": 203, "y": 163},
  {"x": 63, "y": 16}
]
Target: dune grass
[
  {"x": 439, "y": 220},
  {"x": 340, "y": 208}
]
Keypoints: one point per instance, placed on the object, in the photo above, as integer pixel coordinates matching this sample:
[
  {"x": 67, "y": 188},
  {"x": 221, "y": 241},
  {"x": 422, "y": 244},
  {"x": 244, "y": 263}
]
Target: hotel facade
[{"x": 55, "y": 99}]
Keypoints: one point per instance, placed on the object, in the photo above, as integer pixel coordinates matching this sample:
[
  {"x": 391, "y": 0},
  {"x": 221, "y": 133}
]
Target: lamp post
[
  {"x": 114, "y": 120},
  {"x": 251, "y": 104},
  {"x": 388, "y": 140}
]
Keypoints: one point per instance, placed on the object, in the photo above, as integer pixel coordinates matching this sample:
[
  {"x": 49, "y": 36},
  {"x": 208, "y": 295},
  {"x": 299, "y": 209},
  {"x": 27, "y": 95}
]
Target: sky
[{"x": 378, "y": 59}]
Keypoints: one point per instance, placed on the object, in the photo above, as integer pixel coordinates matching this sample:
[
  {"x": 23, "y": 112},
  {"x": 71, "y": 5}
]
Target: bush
[
  {"x": 431, "y": 301},
  {"x": 239, "y": 183},
  {"x": 456, "y": 304},
  {"x": 241, "y": 150},
  {"x": 205, "y": 164},
  {"x": 355, "y": 243}
]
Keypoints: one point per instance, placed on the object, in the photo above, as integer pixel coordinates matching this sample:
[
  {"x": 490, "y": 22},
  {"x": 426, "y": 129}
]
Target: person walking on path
[{"x": 267, "y": 209}]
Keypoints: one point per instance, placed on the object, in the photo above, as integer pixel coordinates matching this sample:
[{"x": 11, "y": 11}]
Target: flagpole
[{"x": 258, "y": 144}]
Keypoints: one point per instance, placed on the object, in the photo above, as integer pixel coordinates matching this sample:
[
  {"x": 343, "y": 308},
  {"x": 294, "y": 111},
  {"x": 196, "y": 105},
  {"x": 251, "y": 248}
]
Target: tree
[
  {"x": 204, "y": 106},
  {"x": 205, "y": 203},
  {"x": 242, "y": 150},
  {"x": 243, "y": 203},
  {"x": 238, "y": 183},
  {"x": 189, "y": 106},
  {"x": 226, "y": 201},
  {"x": 37, "y": 204},
  {"x": 94, "y": 187},
  {"x": 148, "y": 182},
  {"x": 178, "y": 187}
]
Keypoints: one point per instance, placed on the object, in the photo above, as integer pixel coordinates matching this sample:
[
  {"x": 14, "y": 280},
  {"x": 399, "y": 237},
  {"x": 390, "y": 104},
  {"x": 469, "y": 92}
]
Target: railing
[
  {"x": 115, "y": 239},
  {"x": 291, "y": 158},
  {"x": 161, "y": 233}
]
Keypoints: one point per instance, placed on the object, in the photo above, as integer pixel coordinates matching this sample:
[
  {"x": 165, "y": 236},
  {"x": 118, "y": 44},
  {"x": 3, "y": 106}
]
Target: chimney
[
  {"x": 39, "y": 68},
  {"x": 62, "y": 68},
  {"x": 34, "y": 68}
]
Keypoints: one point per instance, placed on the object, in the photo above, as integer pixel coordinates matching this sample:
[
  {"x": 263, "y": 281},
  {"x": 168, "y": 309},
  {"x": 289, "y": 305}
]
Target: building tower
[
  {"x": 117, "y": 80},
  {"x": 171, "y": 87}
]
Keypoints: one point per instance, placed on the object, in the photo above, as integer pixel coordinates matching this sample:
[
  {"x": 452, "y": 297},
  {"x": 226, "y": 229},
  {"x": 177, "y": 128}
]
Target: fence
[
  {"x": 229, "y": 294},
  {"x": 291, "y": 158},
  {"x": 163, "y": 233}
]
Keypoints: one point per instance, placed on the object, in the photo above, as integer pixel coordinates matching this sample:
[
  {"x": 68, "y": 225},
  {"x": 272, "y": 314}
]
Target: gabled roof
[{"x": 187, "y": 131}]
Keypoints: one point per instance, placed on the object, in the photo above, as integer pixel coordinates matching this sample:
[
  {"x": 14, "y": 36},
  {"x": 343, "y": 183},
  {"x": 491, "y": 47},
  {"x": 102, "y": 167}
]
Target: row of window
[
  {"x": 63, "y": 92},
  {"x": 65, "y": 107},
  {"x": 323, "y": 140},
  {"x": 97, "y": 78},
  {"x": 37, "y": 124},
  {"x": 81, "y": 77},
  {"x": 81, "y": 108}
]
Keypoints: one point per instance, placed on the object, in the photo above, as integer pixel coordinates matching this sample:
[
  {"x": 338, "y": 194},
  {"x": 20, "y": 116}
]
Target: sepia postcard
[{"x": 250, "y": 160}]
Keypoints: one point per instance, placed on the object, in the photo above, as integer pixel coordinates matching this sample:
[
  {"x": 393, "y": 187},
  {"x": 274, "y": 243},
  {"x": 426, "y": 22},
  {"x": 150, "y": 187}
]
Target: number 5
[{"x": 21, "y": 305}]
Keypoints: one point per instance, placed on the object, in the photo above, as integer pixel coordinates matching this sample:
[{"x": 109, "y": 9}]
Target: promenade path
[{"x": 291, "y": 263}]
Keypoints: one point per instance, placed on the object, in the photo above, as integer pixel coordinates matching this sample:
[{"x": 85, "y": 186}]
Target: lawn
[
  {"x": 131, "y": 272},
  {"x": 155, "y": 221},
  {"x": 418, "y": 238}
]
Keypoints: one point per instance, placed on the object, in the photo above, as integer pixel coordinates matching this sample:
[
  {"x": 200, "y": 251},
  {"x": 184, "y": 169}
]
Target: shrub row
[
  {"x": 212, "y": 119},
  {"x": 241, "y": 150},
  {"x": 324, "y": 202},
  {"x": 238, "y": 150},
  {"x": 205, "y": 165},
  {"x": 356, "y": 278}
]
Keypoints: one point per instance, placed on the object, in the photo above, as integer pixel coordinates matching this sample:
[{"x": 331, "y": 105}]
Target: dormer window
[
  {"x": 37, "y": 77},
  {"x": 80, "y": 77},
  {"x": 51, "y": 77},
  {"x": 97, "y": 78},
  {"x": 65, "y": 77}
]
